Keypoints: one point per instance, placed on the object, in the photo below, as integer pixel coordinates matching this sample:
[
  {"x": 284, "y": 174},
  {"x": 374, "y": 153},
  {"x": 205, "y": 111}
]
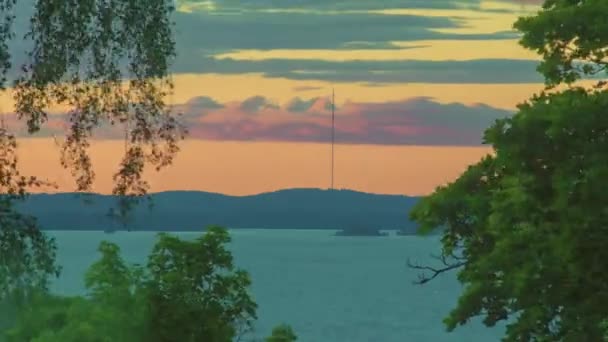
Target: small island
[
  {"x": 409, "y": 231},
  {"x": 361, "y": 231}
]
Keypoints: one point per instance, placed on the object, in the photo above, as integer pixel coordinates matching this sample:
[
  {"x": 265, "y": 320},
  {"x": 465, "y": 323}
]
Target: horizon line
[{"x": 219, "y": 193}]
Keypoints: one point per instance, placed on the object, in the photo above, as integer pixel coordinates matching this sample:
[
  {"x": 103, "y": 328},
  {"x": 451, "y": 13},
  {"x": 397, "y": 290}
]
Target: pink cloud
[{"x": 413, "y": 121}]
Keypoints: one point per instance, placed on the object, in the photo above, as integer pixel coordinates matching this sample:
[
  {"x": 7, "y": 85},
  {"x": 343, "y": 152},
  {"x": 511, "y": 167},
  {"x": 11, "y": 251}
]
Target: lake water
[{"x": 328, "y": 288}]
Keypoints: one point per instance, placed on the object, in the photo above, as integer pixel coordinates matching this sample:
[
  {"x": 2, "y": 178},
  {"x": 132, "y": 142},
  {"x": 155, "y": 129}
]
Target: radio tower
[
  {"x": 522, "y": 4},
  {"x": 333, "y": 108}
]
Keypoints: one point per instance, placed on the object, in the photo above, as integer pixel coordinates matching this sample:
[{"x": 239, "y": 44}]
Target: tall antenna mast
[{"x": 333, "y": 108}]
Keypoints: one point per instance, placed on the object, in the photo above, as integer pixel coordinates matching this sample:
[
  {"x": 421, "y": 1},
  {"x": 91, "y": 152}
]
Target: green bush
[{"x": 187, "y": 291}]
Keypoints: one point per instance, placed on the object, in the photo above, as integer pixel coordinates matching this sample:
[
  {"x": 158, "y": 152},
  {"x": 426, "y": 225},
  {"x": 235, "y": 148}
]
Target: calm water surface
[{"x": 330, "y": 289}]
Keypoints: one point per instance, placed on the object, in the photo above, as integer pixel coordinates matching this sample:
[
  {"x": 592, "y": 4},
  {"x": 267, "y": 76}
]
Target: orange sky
[
  {"x": 247, "y": 168},
  {"x": 241, "y": 168}
]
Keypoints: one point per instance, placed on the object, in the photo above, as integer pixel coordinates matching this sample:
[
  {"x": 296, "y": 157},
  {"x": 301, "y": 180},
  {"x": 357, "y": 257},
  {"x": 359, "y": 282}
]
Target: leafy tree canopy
[
  {"x": 571, "y": 36},
  {"x": 282, "y": 333},
  {"x": 527, "y": 226},
  {"x": 188, "y": 291},
  {"x": 108, "y": 62},
  {"x": 27, "y": 255}
]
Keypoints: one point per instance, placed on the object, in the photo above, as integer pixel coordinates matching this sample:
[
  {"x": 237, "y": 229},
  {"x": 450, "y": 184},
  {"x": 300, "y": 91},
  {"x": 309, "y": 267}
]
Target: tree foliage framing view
[
  {"x": 527, "y": 226},
  {"x": 189, "y": 290},
  {"x": 108, "y": 62}
]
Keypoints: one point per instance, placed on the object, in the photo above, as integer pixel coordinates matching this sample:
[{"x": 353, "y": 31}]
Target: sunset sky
[{"x": 416, "y": 83}]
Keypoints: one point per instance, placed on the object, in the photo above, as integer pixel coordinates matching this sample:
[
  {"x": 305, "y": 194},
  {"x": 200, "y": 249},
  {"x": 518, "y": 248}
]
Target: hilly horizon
[{"x": 298, "y": 208}]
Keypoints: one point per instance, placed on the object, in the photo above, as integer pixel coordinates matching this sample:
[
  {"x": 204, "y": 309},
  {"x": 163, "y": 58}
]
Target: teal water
[{"x": 330, "y": 289}]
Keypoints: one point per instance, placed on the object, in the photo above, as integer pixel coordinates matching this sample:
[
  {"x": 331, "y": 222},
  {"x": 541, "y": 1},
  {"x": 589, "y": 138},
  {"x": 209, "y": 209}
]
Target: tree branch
[{"x": 424, "y": 278}]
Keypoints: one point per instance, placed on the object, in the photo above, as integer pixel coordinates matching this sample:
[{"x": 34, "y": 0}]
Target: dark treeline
[{"x": 190, "y": 210}]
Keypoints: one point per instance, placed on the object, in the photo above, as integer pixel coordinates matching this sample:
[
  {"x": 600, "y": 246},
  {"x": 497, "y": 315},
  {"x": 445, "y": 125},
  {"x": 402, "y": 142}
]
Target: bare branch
[{"x": 424, "y": 278}]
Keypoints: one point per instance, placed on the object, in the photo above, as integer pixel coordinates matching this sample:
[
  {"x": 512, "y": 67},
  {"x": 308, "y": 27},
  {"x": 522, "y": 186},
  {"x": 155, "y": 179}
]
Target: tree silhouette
[
  {"x": 526, "y": 227},
  {"x": 108, "y": 62}
]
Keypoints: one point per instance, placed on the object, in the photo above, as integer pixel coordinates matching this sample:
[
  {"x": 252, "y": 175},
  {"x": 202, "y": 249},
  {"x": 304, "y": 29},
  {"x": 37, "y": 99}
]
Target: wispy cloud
[
  {"x": 205, "y": 37},
  {"x": 414, "y": 121},
  {"x": 305, "y": 88},
  {"x": 409, "y": 71},
  {"x": 223, "y": 26},
  {"x": 209, "y": 32}
]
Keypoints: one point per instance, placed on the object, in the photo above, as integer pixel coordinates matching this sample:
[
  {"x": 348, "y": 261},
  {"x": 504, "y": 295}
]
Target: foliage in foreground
[
  {"x": 527, "y": 227},
  {"x": 108, "y": 64},
  {"x": 282, "y": 333},
  {"x": 187, "y": 291}
]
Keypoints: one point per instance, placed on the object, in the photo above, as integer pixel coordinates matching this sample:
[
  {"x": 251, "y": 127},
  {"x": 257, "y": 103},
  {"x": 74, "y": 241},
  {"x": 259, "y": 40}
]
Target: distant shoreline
[
  {"x": 197, "y": 230},
  {"x": 330, "y": 231},
  {"x": 193, "y": 211}
]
